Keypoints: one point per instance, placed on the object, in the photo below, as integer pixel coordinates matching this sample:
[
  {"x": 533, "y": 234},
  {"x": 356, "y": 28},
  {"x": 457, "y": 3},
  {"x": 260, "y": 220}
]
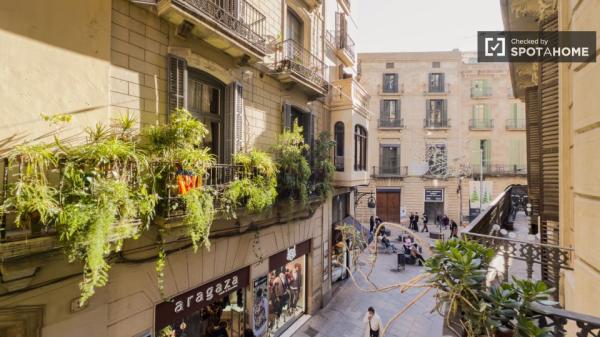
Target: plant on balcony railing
[
  {"x": 294, "y": 170},
  {"x": 459, "y": 269},
  {"x": 256, "y": 189},
  {"x": 323, "y": 167},
  {"x": 178, "y": 145}
]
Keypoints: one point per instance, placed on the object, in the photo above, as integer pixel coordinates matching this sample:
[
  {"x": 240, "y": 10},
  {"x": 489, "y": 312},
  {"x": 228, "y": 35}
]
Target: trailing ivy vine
[{"x": 323, "y": 168}]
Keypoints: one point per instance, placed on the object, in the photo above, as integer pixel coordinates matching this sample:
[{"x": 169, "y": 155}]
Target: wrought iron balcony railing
[
  {"x": 344, "y": 41},
  {"x": 436, "y": 89},
  {"x": 429, "y": 123},
  {"x": 481, "y": 124},
  {"x": 390, "y": 171},
  {"x": 237, "y": 18},
  {"x": 292, "y": 56},
  {"x": 397, "y": 123},
  {"x": 515, "y": 124},
  {"x": 499, "y": 170}
]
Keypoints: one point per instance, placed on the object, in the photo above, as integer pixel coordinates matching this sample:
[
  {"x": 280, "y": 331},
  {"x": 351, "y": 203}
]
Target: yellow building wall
[
  {"x": 580, "y": 163},
  {"x": 55, "y": 59}
]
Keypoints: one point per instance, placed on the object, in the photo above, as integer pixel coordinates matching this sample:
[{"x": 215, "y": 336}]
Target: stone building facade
[
  {"x": 436, "y": 111},
  {"x": 96, "y": 60}
]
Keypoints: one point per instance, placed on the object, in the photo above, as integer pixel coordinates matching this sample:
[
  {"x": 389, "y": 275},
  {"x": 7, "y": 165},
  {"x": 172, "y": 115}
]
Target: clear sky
[{"x": 422, "y": 25}]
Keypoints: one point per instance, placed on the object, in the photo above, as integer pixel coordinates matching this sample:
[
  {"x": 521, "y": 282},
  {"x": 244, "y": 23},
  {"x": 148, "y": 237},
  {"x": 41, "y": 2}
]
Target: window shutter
[
  {"x": 444, "y": 110},
  {"x": 486, "y": 112},
  {"x": 475, "y": 154},
  {"x": 310, "y": 133},
  {"x": 397, "y": 108},
  {"x": 442, "y": 83},
  {"x": 233, "y": 121},
  {"x": 177, "y": 88},
  {"x": 286, "y": 117},
  {"x": 382, "y": 112}
]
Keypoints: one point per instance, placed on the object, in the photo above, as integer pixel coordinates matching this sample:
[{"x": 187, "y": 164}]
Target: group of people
[
  {"x": 443, "y": 221},
  {"x": 284, "y": 291}
]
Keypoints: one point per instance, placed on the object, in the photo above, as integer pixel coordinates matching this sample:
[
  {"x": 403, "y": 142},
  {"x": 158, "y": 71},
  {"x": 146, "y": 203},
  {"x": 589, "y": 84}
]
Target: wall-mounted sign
[
  {"x": 193, "y": 300},
  {"x": 434, "y": 195}
]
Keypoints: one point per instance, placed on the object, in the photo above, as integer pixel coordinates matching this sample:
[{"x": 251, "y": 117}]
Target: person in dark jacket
[
  {"x": 453, "y": 229},
  {"x": 425, "y": 221}
]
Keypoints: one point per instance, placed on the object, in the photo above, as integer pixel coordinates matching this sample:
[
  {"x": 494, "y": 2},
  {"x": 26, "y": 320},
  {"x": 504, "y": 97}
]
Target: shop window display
[
  {"x": 286, "y": 295},
  {"x": 223, "y": 318}
]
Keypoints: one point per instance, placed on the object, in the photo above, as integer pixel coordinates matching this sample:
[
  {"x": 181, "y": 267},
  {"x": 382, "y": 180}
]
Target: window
[
  {"x": 390, "y": 82},
  {"x": 481, "y": 88},
  {"x": 360, "y": 148},
  {"x": 481, "y": 116},
  {"x": 436, "y": 82},
  {"x": 436, "y": 115},
  {"x": 205, "y": 98},
  {"x": 390, "y": 110},
  {"x": 295, "y": 30},
  {"x": 435, "y": 64},
  {"x": 516, "y": 153},
  {"x": 389, "y": 159},
  {"x": 389, "y": 65},
  {"x": 339, "y": 146},
  {"x": 437, "y": 159},
  {"x": 486, "y": 146}
]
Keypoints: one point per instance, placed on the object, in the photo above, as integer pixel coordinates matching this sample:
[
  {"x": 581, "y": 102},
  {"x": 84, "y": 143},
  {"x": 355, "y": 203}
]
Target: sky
[{"x": 422, "y": 25}]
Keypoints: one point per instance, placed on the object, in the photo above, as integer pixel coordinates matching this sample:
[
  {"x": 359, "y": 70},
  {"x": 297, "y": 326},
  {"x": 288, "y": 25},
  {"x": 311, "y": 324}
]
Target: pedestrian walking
[
  {"x": 371, "y": 224},
  {"x": 425, "y": 221},
  {"x": 372, "y": 323},
  {"x": 445, "y": 221},
  {"x": 410, "y": 220},
  {"x": 453, "y": 229}
]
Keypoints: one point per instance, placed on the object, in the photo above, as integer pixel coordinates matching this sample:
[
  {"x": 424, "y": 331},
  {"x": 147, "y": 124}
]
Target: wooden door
[{"x": 388, "y": 206}]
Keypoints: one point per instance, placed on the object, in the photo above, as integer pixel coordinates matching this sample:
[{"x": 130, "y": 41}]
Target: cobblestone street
[{"x": 343, "y": 315}]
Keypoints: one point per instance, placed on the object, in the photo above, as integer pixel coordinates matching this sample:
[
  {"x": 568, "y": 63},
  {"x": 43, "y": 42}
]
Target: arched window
[
  {"x": 360, "y": 148},
  {"x": 339, "y": 146}
]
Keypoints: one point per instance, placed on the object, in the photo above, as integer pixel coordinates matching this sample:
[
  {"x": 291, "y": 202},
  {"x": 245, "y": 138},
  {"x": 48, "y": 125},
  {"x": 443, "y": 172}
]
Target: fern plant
[
  {"x": 31, "y": 198},
  {"x": 256, "y": 189},
  {"x": 294, "y": 171}
]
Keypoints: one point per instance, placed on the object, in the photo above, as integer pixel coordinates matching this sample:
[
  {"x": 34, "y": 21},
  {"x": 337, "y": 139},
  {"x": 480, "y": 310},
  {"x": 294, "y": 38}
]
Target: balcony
[
  {"x": 294, "y": 65},
  {"x": 397, "y": 123},
  {"x": 436, "y": 124},
  {"x": 390, "y": 171},
  {"x": 348, "y": 93},
  {"x": 394, "y": 91},
  {"x": 433, "y": 90},
  {"x": 481, "y": 124},
  {"x": 235, "y": 27},
  {"x": 515, "y": 124},
  {"x": 499, "y": 170},
  {"x": 344, "y": 48},
  {"x": 483, "y": 92}
]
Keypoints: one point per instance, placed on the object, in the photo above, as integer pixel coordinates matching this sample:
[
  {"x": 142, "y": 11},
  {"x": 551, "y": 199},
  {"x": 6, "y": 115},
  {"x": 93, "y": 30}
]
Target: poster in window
[{"x": 260, "y": 309}]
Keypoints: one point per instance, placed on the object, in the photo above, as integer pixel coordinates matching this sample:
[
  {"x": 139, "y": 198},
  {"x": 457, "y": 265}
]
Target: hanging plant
[
  {"x": 31, "y": 198},
  {"x": 294, "y": 171},
  {"x": 178, "y": 148},
  {"x": 256, "y": 189},
  {"x": 103, "y": 198},
  {"x": 323, "y": 167}
]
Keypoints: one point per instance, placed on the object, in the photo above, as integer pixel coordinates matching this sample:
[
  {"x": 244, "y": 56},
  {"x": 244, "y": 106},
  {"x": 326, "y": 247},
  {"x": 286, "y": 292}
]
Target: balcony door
[
  {"x": 436, "y": 112},
  {"x": 206, "y": 102},
  {"x": 389, "y": 159}
]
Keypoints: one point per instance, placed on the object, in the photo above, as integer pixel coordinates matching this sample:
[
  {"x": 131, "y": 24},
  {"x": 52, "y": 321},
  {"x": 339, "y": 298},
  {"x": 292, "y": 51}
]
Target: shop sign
[
  {"x": 193, "y": 300},
  {"x": 436, "y": 195},
  {"x": 288, "y": 255}
]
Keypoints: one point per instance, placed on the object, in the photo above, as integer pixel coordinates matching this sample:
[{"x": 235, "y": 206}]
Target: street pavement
[{"x": 343, "y": 315}]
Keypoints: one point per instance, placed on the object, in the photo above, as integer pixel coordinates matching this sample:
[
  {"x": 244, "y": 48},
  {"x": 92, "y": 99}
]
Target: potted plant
[
  {"x": 458, "y": 270},
  {"x": 510, "y": 308}
]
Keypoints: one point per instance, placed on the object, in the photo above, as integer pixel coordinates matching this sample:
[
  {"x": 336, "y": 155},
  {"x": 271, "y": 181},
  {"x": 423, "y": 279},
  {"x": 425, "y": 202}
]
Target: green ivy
[
  {"x": 294, "y": 171},
  {"x": 323, "y": 167},
  {"x": 200, "y": 213}
]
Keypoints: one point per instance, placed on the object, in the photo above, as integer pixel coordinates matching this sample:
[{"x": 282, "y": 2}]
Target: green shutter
[
  {"x": 475, "y": 155},
  {"x": 487, "y": 114},
  {"x": 286, "y": 117},
  {"x": 177, "y": 83}
]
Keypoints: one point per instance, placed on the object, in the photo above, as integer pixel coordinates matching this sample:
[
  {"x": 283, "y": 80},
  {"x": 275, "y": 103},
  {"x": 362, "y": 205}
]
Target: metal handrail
[
  {"x": 293, "y": 56},
  {"x": 385, "y": 171},
  {"x": 390, "y": 123},
  {"x": 430, "y": 123},
  {"x": 239, "y": 17},
  {"x": 515, "y": 123},
  {"x": 481, "y": 123}
]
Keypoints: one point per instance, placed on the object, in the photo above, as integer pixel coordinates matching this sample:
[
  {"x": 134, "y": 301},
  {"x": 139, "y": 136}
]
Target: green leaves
[
  {"x": 294, "y": 171},
  {"x": 323, "y": 168},
  {"x": 199, "y": 216}
]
